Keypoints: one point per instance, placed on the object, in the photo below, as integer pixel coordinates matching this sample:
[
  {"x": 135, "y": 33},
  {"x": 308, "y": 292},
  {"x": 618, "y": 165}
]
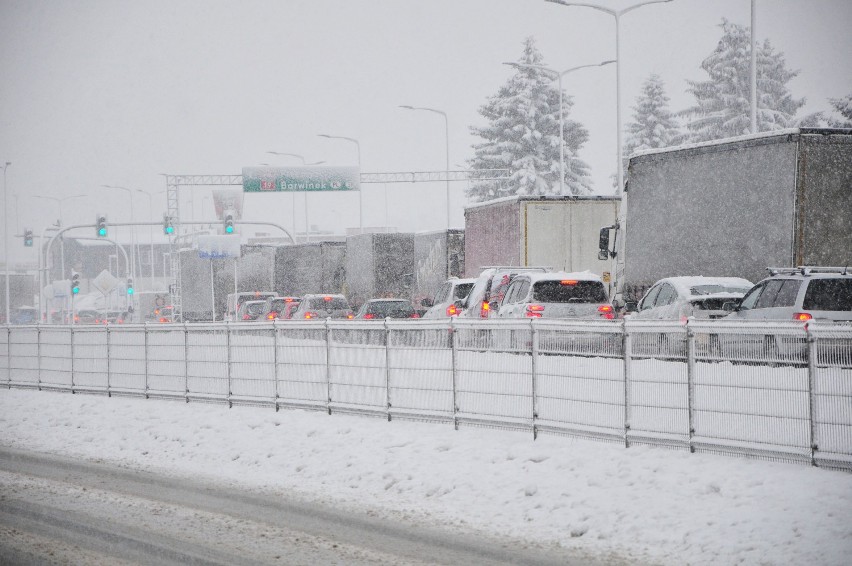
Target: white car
[
  {"x": 678, "y": 298},
  {"x": 444, "y": 304},
  {"x": 556, "y": 295}
]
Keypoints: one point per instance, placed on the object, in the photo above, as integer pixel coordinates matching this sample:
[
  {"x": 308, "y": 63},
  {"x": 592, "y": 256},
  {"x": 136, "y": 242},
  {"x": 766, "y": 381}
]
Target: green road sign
[{"x": 301, "y": 179}]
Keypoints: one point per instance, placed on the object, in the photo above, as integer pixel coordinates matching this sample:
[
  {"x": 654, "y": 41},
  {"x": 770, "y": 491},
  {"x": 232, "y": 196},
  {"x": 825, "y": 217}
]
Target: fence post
[
  {"x": 328, "y": 365},
  {"x": 38, "y": 360},
  {"x": 812, "y": 371},
  {"x": 275, "y": 359},
  {"x": 454, "y": 355},
  {"x": 108, "y": 354},
  {"x": 146, "y": 360},
  {"x": 228, "y": 348},
  {"x": 72, "y": 359},
  {"x": 186, "y": 362},
  {"x": 627, "y": 354},
  {"x": 534, "y": 377},
  {"x": 690, "y": 382},
  {"x": 9, "y": 355},
  {"x": 387, "y": 369}
]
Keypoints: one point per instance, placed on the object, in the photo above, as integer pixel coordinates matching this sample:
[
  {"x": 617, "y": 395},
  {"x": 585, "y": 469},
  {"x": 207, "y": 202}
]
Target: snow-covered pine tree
[
  {"x": 842, "y": 106},
  {"x": 723, "y": 102},
  {"x": 653, "y": 124},
  {"x": 522, "y": 134}
]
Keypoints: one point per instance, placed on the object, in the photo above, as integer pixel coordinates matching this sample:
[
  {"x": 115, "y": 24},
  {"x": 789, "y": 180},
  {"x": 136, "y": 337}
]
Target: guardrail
[{"x": 778, "y": 391}]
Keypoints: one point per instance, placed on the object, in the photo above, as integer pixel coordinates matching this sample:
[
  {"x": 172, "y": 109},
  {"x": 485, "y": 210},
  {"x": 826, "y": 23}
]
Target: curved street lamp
[
  {"x": 360, "y": 192},
  {"x": 447, "y": 141},
  {"x": 559, "y": 76},
  {"x": 132, "y": 232}
]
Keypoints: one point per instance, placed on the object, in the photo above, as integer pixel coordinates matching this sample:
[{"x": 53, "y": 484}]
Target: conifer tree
[
  {"x": 654, "y": 125},
  {"x": 723, "y": 102},
  {"x": 843, "y": 106},
  {"x": 522, "y": 135}
]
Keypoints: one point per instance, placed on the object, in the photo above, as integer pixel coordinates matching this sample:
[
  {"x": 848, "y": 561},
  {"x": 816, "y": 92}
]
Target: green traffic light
[
  {"x": 130, "y": 291},
  {"x": 102, "y": 232},
  {"x": 75, "y": 290},
  {"x": 229, "y": 229},
  {"x": 169, "y": 230}
]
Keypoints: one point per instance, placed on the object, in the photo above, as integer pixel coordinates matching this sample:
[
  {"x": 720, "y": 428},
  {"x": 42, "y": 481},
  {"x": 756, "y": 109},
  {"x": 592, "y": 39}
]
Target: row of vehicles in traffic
[{"x": 506, "y": 292}]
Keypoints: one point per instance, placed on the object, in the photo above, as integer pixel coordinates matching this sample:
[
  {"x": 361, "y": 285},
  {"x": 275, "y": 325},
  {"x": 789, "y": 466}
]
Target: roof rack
[{"x": 806, "y": 270}]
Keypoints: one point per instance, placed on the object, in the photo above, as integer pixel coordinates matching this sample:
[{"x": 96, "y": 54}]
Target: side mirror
[
  {"x": 603, "y": 244},
  {"x": 730, "y": 306},
  {"x": 631, "y": 306},
  {"x": 426, "y": 303}
]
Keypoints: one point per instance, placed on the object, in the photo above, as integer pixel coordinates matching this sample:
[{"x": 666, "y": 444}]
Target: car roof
[
  {"x": 462, "y": 281},
  {"x": 683, "y": 284},
  {"x": 535, "y": 277},
  {"x": 388, "y": 301}
]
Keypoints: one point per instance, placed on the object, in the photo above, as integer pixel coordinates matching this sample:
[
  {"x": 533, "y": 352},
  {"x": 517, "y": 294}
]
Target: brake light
[
  {"x": 607, "y": 311},
  {"x": 326, "y": 299},
  {"x": 534, "y": 311},
  {"x": 452, "y": 310},
  {"x": 310, "y": 314},
  {"x": 245, "y": 317},
  {"x": 802, "y": 316},
  {"x": 568, "y": 282},
  {"x": 272, "y": 315},
  {"x": 350, "y": 316},
  {"x": 369, "y": 315},
  {"x": 483, "y": 309},
  {"x": 414, "y": 315},
  {"x": 288, "y": 300},
  {"x": 163, "y": 319}
]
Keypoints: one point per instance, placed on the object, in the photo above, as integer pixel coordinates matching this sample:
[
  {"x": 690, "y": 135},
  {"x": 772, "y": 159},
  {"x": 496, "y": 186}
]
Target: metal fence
[{"x": 778, "y": 391}]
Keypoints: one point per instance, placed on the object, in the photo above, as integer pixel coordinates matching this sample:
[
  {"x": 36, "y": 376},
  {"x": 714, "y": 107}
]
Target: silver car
[
  {"x": 678, "y": 298},
  {"x": 323, "y": 306}
]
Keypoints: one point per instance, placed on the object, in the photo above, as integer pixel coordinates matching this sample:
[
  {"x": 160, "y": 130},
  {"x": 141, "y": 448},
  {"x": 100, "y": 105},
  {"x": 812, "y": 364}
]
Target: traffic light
[
  {"x": 75, "y": 283},
  {"x": 229, "y": 223},
  {"x": 28, "y": 238},
  {"x": 129, "y": 285},
  {"x": 102, "y": 226},
  {"x": 168, "y": 227}
]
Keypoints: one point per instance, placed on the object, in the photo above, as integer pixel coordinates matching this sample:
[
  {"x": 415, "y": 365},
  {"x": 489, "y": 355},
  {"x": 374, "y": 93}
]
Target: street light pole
[
  {"x": 59, "y": 202},
  {"x": 360, "y": 192},
  {"x": 447, "y": 146},
  {"x": 753, "y": 70},
  {"x": 6, "y": 237},
  {"x": 150, "y": 230},
  {"x": 132, "y": 237},
  {"x": 617, "y": 15},
  {"x": 559, "y": 76}
]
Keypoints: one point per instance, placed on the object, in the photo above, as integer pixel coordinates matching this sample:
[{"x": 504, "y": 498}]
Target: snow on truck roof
[
  {"x": 543, "y": 198},
  {"x": 743, "y": 138}
]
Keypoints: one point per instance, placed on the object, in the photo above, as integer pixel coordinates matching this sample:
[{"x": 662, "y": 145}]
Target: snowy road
[{"x": 55, "y": 509}]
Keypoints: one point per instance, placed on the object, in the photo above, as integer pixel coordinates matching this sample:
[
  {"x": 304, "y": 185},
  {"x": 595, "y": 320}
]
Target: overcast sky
[{"x": 118, "y": 92}]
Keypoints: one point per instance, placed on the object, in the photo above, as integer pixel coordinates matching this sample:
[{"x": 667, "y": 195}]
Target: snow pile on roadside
[{"x": 642, "y": 502}]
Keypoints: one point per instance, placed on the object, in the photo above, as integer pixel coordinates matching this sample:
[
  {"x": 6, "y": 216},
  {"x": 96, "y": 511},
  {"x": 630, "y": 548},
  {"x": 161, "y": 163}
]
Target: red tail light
[
  {"x": 802, "y": 316},
  {"x": 607, "y": 311},
  {"x": 452, "y": 310},
  {"x": 483, "y": 309},
  {"x": 246, "y": 317},
  {"x": 369, "y": 315},
  {"x": 326, "y": 299},
  {"x": 534, "y": 311},
  {"x": 272, "y": 316},
  {"x": 310, "y": 314},
  {"x": 350, "y": 315},
  {"x": 163, "y": 319},
  {"x": 568, "y": 282},
  {"x": 414, "y": 315}
]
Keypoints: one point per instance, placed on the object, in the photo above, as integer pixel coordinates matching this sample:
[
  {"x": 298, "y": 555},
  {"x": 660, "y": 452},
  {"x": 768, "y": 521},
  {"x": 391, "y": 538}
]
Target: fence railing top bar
[
  {"x": 594, "y": 325},
  {"x": 416, "y": 324},
  {"x": 633, "y": 325},
  {"x": 748, "y": 327}
]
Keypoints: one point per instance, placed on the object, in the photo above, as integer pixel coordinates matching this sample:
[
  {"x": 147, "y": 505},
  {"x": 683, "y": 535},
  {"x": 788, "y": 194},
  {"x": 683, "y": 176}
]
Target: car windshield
[
  {"x": 329, "y": 303},
  {"x": 717, "y": 288},
  {"x": 391, "y": 309},
  {"x": 462, "y": 290},
  {"x": 828, "y": 295},
  {"x": 569, "y": 291}
]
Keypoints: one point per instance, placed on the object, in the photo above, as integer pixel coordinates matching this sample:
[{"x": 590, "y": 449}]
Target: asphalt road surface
[{"x": 57, "y": 510}]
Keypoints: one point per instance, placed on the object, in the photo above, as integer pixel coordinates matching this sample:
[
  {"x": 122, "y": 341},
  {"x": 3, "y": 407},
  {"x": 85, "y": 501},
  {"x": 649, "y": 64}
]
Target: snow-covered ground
[{"x": 648, "y": 503}]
